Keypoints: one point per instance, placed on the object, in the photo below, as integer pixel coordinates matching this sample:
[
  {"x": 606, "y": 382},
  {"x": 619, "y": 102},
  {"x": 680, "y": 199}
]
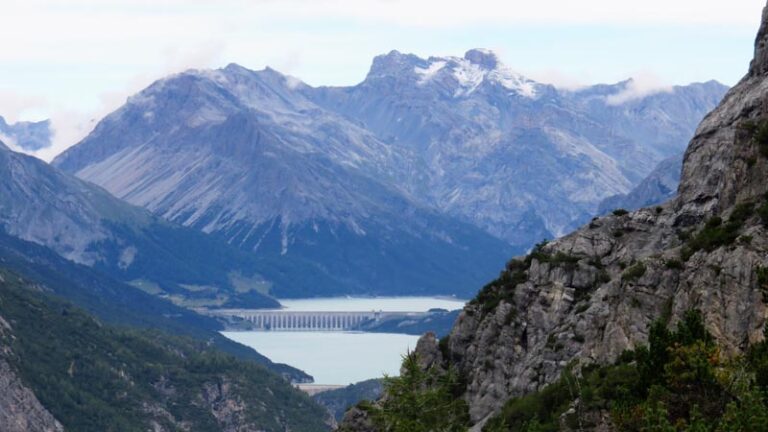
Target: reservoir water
[{"x": 340, "y": 358}]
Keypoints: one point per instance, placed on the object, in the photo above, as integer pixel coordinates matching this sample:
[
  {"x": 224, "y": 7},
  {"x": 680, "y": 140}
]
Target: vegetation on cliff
[
  {"x": 679, "y": 382},
  {"x": 420, "y": 400}
]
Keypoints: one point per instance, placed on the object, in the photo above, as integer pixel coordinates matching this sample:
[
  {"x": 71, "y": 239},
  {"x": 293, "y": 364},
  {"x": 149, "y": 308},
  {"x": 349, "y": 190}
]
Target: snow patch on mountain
[{"x": 429, "y": 72}]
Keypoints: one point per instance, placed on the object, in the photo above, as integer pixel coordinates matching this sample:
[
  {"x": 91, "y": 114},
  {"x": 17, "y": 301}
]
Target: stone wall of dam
[{"x": 280, "y": 320}]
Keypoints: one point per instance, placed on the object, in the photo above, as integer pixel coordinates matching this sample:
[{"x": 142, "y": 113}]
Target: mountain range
[{"x": 421, "y": 179}]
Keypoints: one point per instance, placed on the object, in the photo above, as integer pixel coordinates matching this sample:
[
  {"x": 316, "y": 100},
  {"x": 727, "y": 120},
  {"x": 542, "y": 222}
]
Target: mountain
[
  {"x": 244, "y": 156},
  {"x": 660, "y": 185},
  {"x": 520, "y": 159},
  {"x": 67, "y": 371},
  {"x": 88, "y": 226},
  {"x": 29, "y": 136},
  {"x": 417, "y": 180},
  {"x": 600, "y": 295}
]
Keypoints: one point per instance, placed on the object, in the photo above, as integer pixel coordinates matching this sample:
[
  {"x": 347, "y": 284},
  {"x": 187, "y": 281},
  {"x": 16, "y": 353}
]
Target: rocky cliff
[
  {"x": 592, "y": 294},
  {"x": 20, "y": 410}
]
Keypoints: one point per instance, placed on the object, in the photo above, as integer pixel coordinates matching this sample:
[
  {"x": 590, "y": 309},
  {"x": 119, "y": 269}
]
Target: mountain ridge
[{"x": 344, "y": 185}]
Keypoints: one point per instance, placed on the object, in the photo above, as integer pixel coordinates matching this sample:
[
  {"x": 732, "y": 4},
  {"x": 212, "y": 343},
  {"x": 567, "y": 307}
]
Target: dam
[{"x": 287, "y": 320}]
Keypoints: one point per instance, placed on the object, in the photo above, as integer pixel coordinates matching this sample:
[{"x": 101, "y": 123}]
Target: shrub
[
  {"x": 758, "y": 132},
  {"x": 421, "y": 401},
  {"x": 716, "y": 233},
  {"x": 620, "y": 212},
  {"x": 762, "y": 211},
  {"x": 675, "y": 383},
  {"x": 634, "y": 272},
  {"x": 762, "y": 281}
]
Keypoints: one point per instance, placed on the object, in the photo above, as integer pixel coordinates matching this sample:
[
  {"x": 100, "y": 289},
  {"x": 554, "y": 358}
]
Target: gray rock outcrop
[
  {"x": 592, "y": 294},
  {"x": 20, "y": 410}
]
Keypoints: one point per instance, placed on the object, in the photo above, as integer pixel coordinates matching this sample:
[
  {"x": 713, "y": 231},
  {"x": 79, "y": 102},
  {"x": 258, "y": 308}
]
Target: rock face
[
  {"x": 660, "y": 186},
  {"x": 20, "y": 411},
  {"x": 592, "y": 294},
  {"x": 350, "y": 186}
]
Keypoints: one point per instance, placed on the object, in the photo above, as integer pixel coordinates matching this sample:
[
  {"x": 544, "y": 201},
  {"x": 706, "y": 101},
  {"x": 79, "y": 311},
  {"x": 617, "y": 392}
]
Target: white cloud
[
  {"x": 14, "y": 105},
  {"x": 641, "y": 85},
  {"x": 9, "y": 141},
  {"x": 438, "y": 11},
  {"x": 430, "y": 13},
  {"x": 91, "y": 54}
]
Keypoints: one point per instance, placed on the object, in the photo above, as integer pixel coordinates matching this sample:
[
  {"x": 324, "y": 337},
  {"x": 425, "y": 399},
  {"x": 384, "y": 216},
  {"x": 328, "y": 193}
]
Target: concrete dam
[{"x": 283, "y": 320}]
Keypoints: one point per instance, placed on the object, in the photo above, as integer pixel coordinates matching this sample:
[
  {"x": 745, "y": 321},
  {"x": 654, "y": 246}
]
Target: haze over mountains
[
  {"x": 423, "y": 178},
  {"x": 27, "y": 136}
]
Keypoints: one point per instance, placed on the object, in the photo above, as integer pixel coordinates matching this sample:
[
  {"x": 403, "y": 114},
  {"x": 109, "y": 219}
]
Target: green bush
[
  {"x": 634, "y": 272},
  {"x": 620, "y": 212},
  {"x": 678, "y": 382},
  {"x": 673, "y": 264},
  {"x": 716, "y": 233},
  {"x": 762, "y": 211},
  {"x": 421, "y": 401}
]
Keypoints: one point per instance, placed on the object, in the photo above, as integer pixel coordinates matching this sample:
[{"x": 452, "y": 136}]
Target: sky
[{"x": 74, "y": 61}]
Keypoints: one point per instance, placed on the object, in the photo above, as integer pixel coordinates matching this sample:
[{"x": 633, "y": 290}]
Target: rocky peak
[
  {"x": 394, "y": 63},
  {"x": 723, "y": 164},
  {"x": 759, "y": 65},
  {"x": 484, "y": 58},
  {"x": 234, "y": 68}
]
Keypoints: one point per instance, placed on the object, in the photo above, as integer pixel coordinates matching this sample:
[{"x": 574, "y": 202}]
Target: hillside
[
  {"x": 86, "y": 225},
  {"x": 119, "y": 304},
  {"x": 92, "y": 377}
]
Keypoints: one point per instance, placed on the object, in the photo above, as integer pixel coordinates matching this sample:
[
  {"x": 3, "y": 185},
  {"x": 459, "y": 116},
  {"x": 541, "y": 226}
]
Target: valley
[{"x": 282, "y": 217}]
